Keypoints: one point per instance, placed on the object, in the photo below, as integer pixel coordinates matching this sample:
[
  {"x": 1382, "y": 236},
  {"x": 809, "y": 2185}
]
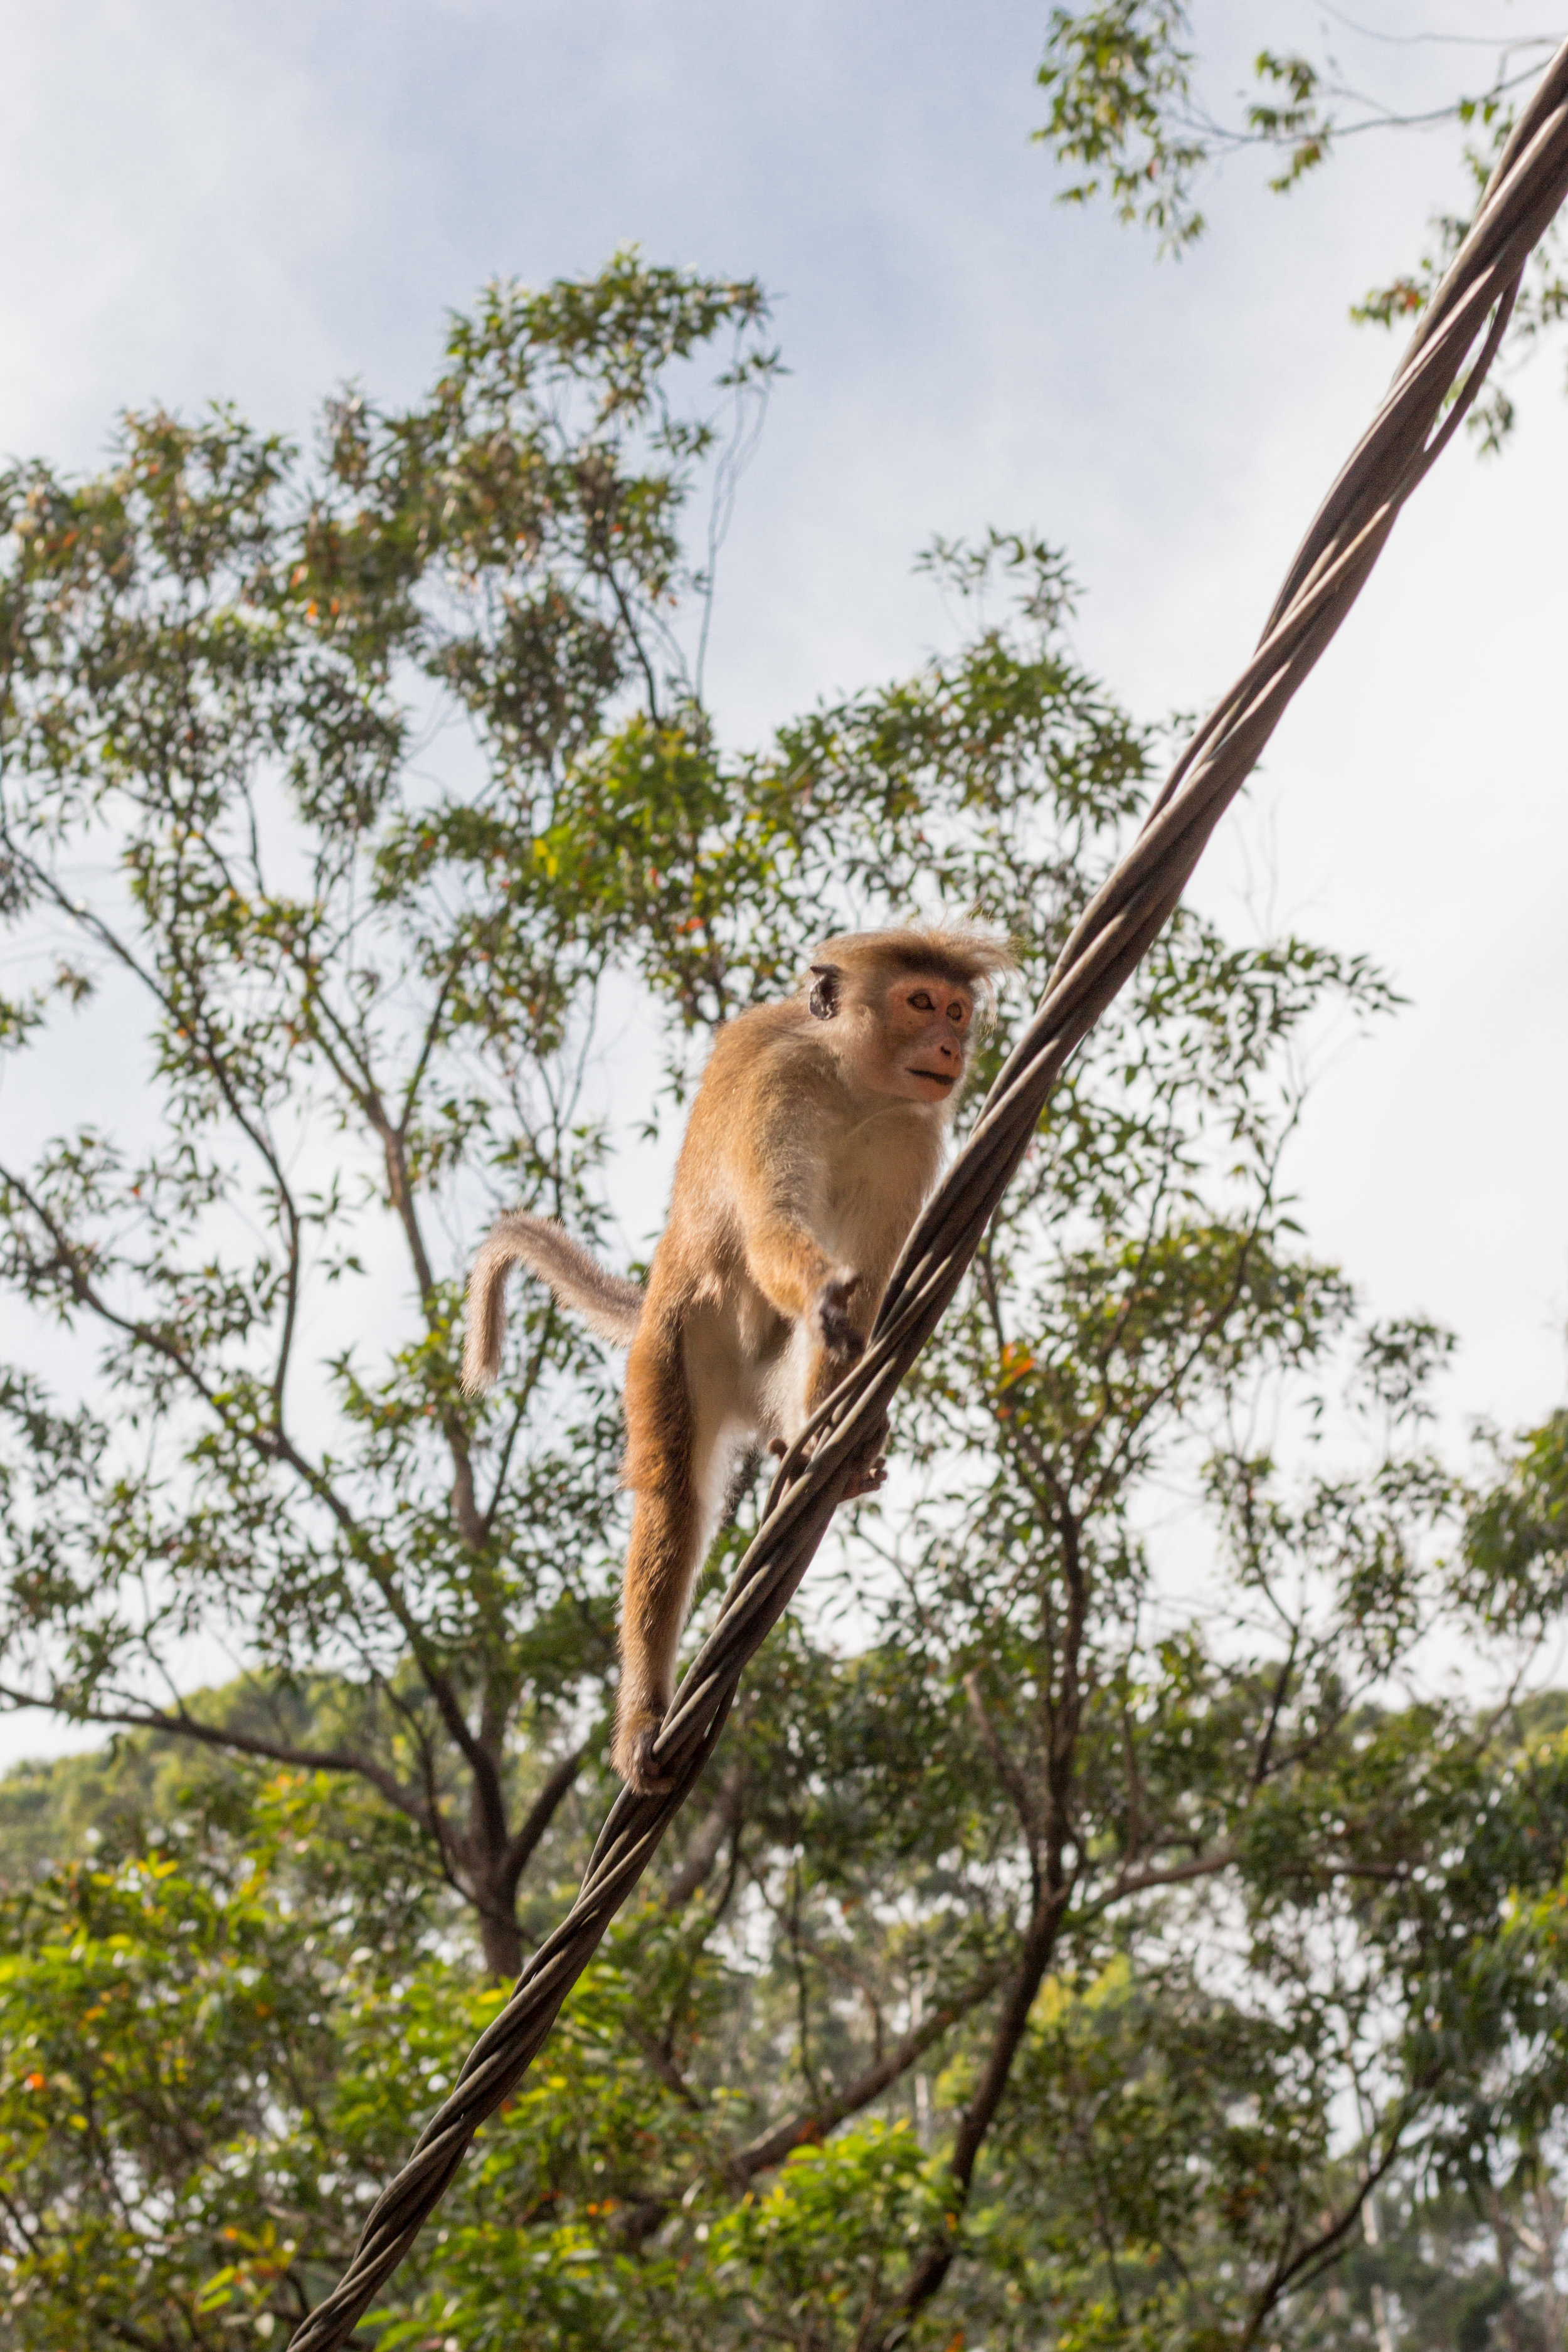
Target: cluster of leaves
[
  {"x": 1127, "y": 118},
  {"x": 218, "y": 2035}
]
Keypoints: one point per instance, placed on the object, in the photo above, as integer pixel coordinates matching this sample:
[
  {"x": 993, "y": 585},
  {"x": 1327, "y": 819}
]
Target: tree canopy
[{"x": 1107, "y": 1920}]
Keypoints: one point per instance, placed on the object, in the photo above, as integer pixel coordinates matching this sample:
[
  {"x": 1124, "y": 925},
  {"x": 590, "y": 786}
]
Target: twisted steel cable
[{"x": 1409, "y": 432}]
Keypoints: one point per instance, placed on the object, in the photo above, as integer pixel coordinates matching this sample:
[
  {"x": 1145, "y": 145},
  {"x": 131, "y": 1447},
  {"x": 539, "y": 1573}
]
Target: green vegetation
[
  {"x": 1130, "y": 121},
  {"x": 1089, "y": 1933}
]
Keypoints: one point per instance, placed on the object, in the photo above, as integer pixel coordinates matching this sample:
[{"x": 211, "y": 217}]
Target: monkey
[{"x": 817, "y": 1135}]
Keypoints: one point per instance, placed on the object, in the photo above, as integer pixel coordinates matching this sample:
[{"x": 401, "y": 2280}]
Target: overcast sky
[{"x": 204, "y": 199}]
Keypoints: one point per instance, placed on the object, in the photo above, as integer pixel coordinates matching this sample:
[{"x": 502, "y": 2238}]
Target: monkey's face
[{"x": 916, "y": 1038}]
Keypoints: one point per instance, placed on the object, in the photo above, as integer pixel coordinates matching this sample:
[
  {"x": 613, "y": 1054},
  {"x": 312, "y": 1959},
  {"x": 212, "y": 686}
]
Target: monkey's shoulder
[{"x": 770, "y": 1053}]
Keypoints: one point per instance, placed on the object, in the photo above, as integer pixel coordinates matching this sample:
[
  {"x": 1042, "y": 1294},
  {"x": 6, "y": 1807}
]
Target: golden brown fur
[{"x": 817, "y": 1134}]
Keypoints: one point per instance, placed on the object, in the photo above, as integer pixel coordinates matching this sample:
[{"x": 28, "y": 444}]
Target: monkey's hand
[
  {"x": 632, "y": 1755},
  {"x": 839, "y": 1336}
]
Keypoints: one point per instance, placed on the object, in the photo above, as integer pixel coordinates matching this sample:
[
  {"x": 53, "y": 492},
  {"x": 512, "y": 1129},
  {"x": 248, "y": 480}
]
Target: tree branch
[
  {"x": 1175, "y": 1874},
  {"x": 706, "y": 1842},
  {"x": 275, "y": 1445},
  {"x": 471, "y": 1524},
  {"x": 1285, "y": 2271},
  {"x": 181, "y": 1725},
  {"x": 540, "y": 1815},
  {"x": 815, "y": 2123},
  {"x": 932, "y": 2267},
  {"x": 1007, "y": 1771}
]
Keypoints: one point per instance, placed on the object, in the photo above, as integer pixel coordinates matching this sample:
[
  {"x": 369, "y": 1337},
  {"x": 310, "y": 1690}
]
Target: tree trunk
[{"x": 501, "y": 1942}]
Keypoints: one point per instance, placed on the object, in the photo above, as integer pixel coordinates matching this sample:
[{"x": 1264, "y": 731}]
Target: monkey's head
[{"x": 902, "y": 1007}]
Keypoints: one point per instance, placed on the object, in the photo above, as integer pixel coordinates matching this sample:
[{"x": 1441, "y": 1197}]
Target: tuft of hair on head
[{"x": 961, "y": 952}]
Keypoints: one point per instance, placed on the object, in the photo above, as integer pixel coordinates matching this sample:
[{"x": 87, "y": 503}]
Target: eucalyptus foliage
[{"x": 1134, "y": 120}]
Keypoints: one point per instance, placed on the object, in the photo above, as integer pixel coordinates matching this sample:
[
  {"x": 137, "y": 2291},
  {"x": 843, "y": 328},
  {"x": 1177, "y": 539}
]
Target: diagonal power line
[{"x": 1468, "y": 315}]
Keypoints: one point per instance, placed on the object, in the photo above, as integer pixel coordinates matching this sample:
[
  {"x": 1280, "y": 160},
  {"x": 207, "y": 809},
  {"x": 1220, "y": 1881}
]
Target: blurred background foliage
[{"x": 1128, "y": 1906}]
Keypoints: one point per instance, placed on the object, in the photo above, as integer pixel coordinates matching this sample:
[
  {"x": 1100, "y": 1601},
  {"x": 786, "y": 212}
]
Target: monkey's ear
[{"x": 824, "y": 997}]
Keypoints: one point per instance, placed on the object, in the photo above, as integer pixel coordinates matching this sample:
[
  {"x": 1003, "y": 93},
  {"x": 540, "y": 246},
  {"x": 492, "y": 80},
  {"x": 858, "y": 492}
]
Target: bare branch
[
  {"x": 1002, "y": 1764},
  {"x": 1288, "y": 2271},
  {"x": 178, "y": 1724},
  {"x": 815, "y": 2123}
]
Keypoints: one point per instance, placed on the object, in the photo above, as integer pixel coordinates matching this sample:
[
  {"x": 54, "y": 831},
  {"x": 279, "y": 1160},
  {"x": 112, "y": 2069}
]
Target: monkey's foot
[
  {"x": 866, "y": 1478},
  {"x": 632, "y": 1756}
]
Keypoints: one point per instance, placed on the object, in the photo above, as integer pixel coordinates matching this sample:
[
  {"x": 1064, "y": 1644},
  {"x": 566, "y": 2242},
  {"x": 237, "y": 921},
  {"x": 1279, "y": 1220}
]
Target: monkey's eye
[
  {"x": 921, "y": 1001},
  {"x": 956, "y": 1013}
]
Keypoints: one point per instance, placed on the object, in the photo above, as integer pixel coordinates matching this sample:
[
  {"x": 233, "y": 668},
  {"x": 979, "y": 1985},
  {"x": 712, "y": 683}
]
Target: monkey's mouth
[{"x": 942, "y": 1077}]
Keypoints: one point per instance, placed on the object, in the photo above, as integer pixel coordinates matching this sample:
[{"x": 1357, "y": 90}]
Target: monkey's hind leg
[{"x": 674, "y": 1468}]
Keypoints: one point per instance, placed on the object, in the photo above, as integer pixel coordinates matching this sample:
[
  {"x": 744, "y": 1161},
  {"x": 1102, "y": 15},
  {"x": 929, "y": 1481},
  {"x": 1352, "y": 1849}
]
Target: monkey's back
[
  {"x": 765, "y": 1073},
  {"x": 775, "y": 1124}
]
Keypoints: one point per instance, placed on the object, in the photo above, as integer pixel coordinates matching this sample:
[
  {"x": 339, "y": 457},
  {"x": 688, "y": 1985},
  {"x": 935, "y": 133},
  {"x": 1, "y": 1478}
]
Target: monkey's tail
[{"x": 606, "y": 1304}]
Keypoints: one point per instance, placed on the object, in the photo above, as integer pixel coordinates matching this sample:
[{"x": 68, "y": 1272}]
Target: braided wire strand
[{"x": 1409, "y": 432}]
